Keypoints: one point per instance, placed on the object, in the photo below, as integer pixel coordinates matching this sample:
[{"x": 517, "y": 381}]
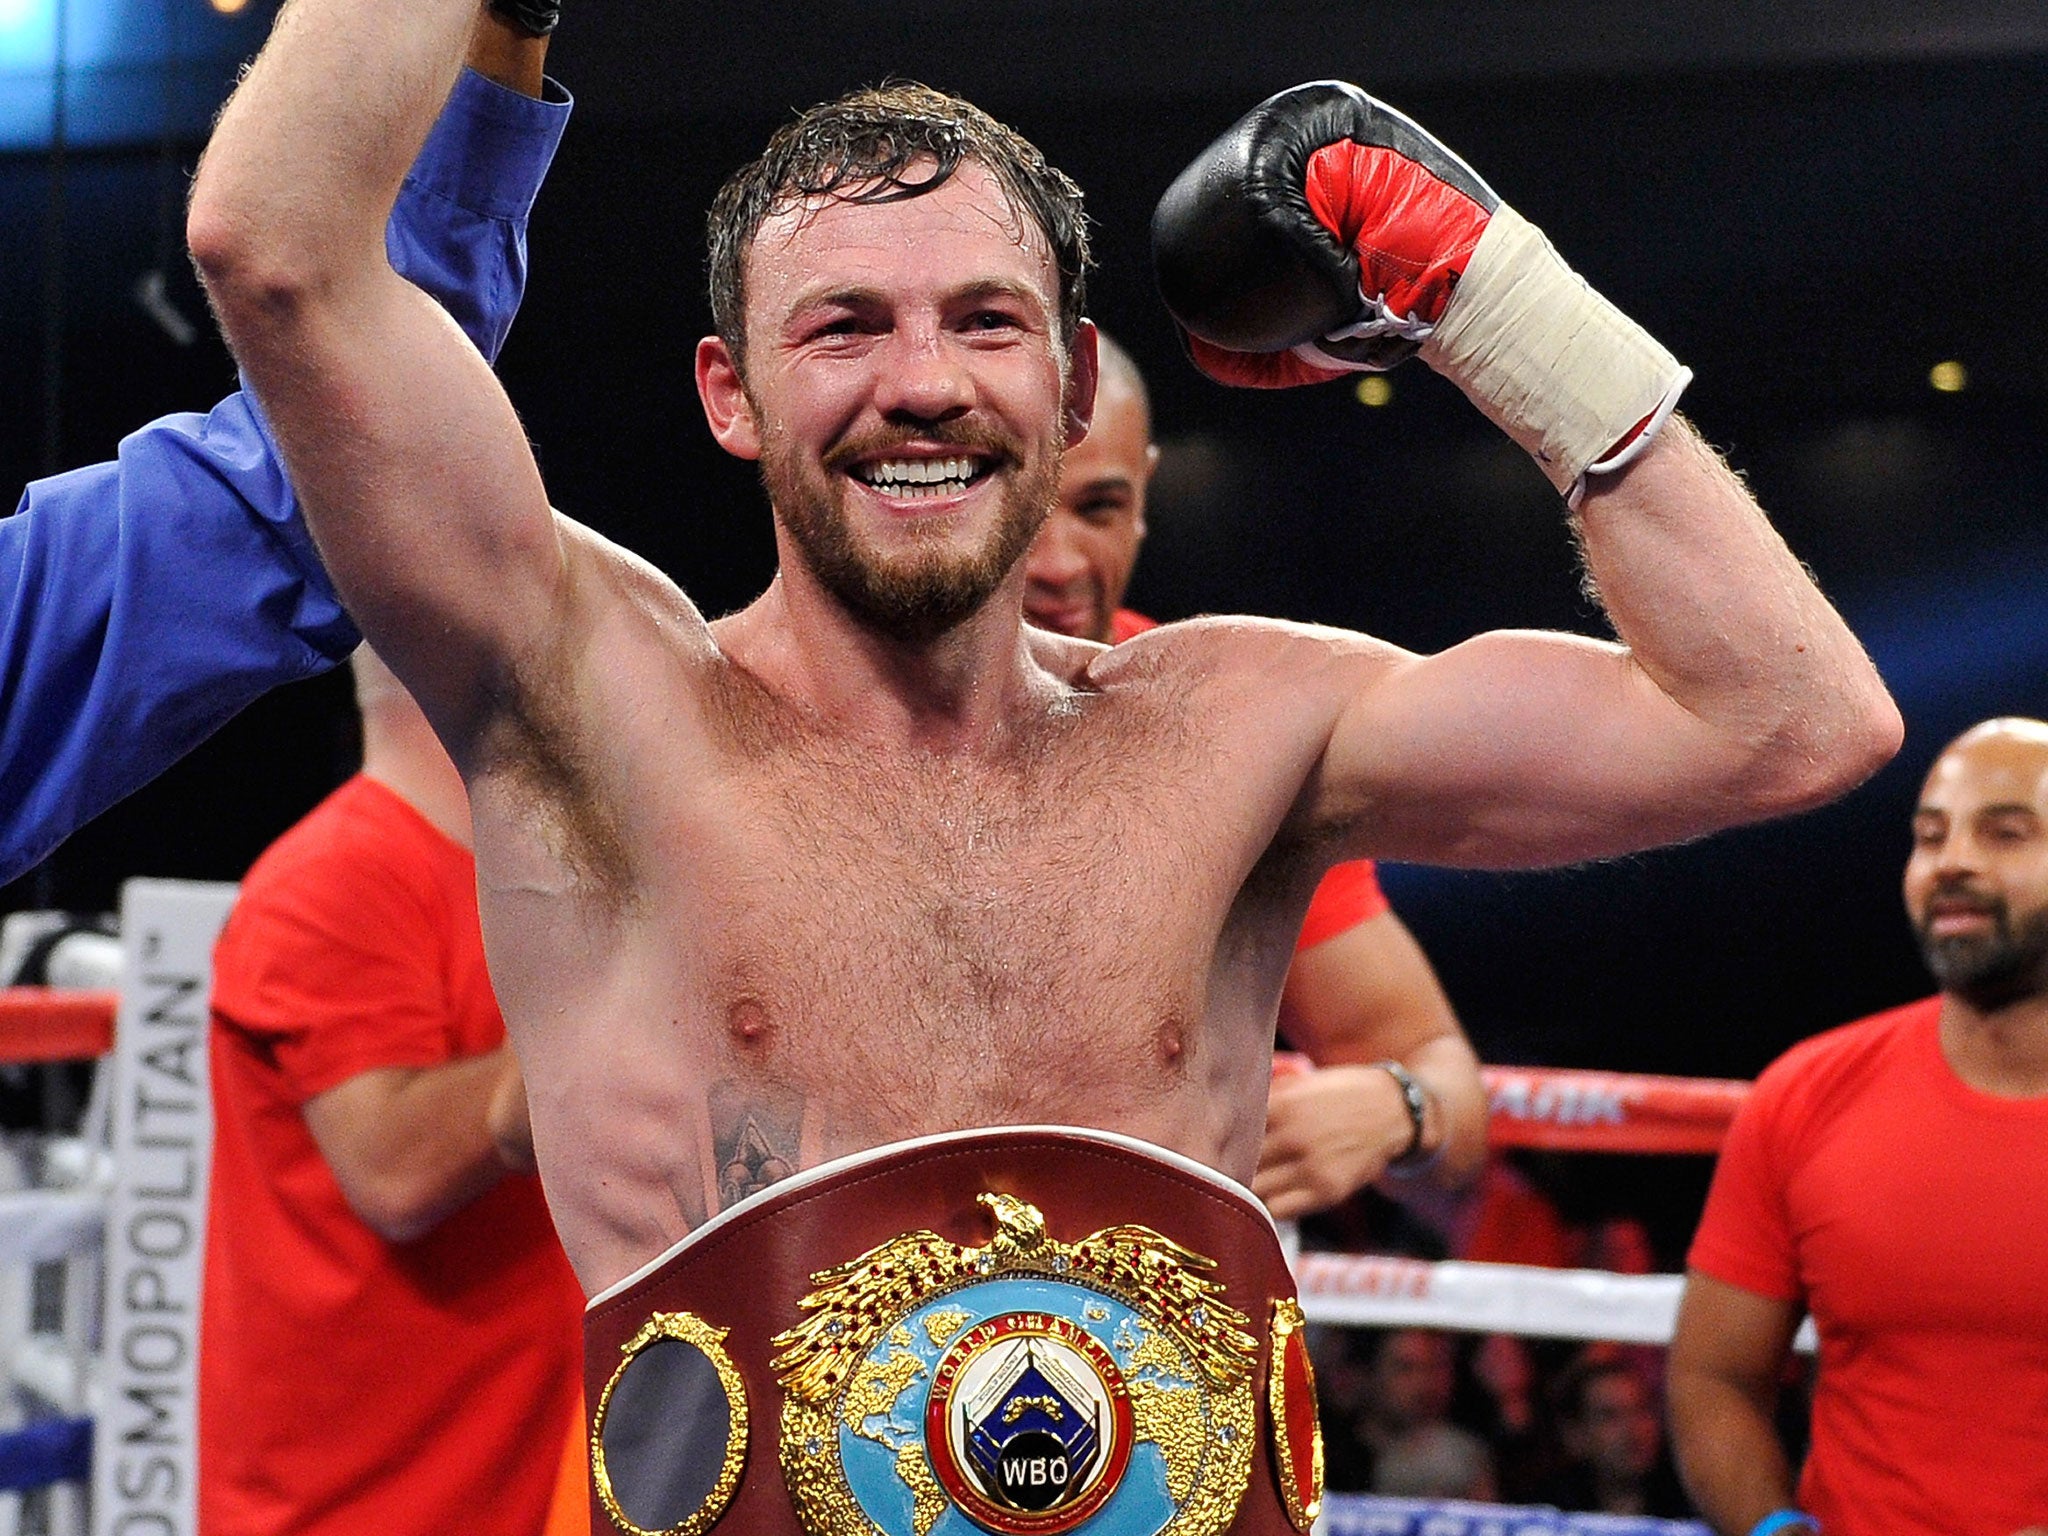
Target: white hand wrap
[{"x": 1549, "y": 361}]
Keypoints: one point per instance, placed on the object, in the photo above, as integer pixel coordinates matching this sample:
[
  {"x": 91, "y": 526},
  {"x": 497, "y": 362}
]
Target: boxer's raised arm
[
  {"x": 406, "y": 454},
  {"x": 1736, "y": 694},
  {"x": 1324, "y": 233},
  {"x": 147, "y": 600}
]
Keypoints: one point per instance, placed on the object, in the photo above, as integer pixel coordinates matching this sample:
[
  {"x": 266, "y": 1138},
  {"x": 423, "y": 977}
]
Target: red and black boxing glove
[
  {"x": 1321, "y": 220},
  {"x": 1326, "y": 233}
]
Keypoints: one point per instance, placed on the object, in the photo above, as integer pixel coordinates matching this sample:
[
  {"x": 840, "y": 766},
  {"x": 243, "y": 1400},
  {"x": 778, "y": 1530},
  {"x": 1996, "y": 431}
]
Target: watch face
[{"x": 1417, "y": 1104}]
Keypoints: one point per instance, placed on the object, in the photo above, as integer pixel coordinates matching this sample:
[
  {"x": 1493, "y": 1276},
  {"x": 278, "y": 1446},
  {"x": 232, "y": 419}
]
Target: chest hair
[{"x": 1008, "y": 907}]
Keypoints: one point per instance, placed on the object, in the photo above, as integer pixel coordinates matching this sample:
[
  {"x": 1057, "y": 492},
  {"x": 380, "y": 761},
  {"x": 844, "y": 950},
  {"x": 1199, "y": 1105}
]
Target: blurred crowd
[{"x": 1420, "y": 1413}]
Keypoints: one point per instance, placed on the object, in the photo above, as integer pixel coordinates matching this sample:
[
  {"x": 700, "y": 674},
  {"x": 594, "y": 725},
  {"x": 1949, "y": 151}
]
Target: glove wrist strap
[{"x": 1557, "y": 367}]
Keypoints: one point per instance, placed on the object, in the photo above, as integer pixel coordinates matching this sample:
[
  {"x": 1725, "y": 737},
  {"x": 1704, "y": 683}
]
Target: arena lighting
[
  {"x": 1375, "y": 390},
  {"x": 25, "y": 33},
  {"x": 1950, "y": 377},
  {"x": 133, "y": 69}
]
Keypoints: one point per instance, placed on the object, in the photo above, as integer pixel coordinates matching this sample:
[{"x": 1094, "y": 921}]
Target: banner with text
[{"x": 145, "y": 1461}]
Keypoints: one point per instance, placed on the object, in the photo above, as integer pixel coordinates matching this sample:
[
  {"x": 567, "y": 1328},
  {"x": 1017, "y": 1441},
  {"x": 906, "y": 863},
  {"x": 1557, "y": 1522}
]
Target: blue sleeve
[
  {"x": 459, "y": 227},
  {"x": 148, "y": 600}
]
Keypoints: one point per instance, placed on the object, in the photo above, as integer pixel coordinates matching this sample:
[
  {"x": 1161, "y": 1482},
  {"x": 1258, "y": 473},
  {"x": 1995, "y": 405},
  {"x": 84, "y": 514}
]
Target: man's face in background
[
  {"x": 1976, "y": 883},
  {"x": 1080, "y": 563}
]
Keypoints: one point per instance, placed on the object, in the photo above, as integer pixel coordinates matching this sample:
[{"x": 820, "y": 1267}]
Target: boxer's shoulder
[
  {"x": 1238, "y": 654},
  {"x": 1064, "y": 656}
]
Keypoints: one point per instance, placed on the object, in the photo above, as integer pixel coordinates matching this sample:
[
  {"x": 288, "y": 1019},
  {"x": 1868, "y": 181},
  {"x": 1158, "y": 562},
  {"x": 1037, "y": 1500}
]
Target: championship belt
[{"x": 1025, "y": 1332}]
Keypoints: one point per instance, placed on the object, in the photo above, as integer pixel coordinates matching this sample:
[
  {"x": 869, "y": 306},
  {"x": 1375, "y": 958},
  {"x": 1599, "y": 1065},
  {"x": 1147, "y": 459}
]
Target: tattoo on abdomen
[{"x": 754, "y": 1132}]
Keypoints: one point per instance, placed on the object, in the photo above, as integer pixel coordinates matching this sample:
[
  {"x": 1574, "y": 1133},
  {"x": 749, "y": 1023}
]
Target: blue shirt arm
[{"x": 148, "y": 600}]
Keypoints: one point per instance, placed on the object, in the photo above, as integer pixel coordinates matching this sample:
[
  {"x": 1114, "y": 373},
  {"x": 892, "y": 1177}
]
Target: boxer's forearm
[
  {"x": 500, "y": 51},
  {"x": 306, "y": 161},
  {"x": 407, "y": 458},
  {"x": 1717, "y": 612}
]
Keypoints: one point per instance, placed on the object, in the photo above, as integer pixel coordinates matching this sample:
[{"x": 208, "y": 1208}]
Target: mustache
[
  {"x": 1953, "y": 895},
  {"x": 976, "y": 437}
]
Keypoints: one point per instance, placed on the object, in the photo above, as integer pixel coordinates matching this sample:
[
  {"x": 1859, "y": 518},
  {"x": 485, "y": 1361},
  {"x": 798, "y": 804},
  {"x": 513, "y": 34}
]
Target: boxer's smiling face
[{"x": 905, "y": 393}]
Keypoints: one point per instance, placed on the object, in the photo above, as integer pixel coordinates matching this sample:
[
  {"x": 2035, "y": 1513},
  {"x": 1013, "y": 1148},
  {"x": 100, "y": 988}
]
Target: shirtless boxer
[
  {"x": 869, "y": 860},
  {"x": 1360, "y": 992}
]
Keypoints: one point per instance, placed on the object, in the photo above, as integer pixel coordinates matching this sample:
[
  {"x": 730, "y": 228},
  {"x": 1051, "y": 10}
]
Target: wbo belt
[{"x": 1025, "y": 1331}]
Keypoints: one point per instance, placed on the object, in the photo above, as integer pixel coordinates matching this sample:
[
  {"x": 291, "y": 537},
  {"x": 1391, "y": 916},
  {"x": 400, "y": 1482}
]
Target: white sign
[{"x": 145, "y": 1453}]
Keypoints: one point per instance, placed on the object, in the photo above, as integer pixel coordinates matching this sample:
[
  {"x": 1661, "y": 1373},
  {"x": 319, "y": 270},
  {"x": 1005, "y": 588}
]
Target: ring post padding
[{"x": 145, "y": 1463}]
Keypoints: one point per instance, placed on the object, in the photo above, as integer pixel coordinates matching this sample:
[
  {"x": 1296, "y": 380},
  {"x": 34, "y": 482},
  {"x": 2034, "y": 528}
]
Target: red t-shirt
[
  {"x": 1905, "y": 1208},
  {"x": 349, "y": 1385},
  {"x": 1350, "y": 893}
]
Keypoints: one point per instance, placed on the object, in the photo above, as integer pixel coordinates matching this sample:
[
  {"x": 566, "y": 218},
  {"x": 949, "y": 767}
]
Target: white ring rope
[
  {"x": 38, "y": 1226},
  {"x": 1366, "y": 1291},
  {"x": 1349, "y": 1290}
]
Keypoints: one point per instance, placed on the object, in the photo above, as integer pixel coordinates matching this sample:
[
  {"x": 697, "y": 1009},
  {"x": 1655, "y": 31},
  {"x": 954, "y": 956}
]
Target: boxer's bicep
[
  {"x": 416, "y": 480},
  {"x": 1522, "y": 749}
]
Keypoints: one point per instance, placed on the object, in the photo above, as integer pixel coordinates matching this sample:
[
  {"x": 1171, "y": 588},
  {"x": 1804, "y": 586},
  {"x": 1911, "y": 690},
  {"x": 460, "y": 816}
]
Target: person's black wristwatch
[
  {"x": 536, "y": 18},
  {"x": 1416, "y": 1098}
]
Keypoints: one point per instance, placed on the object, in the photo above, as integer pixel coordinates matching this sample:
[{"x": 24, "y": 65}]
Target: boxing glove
[{"x": 1326, "y": 233}]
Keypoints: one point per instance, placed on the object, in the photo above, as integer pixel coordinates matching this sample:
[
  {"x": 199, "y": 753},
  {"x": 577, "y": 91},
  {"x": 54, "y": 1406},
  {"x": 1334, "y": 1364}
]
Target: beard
[
  {"x": 916, "y": 597},
  {"x": 1989, "y": 970}
]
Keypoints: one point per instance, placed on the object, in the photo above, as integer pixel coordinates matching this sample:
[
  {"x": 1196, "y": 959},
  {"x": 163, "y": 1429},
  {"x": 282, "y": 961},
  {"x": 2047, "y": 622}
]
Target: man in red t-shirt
[
  {"x": 1889, "y": 1177},
  {"x": 392, "y": 1335},
  {"x": 1360, "y": 993}
]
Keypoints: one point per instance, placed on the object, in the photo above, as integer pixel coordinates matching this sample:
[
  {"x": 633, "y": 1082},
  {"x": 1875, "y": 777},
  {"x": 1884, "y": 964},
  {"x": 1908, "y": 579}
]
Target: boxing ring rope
[
  {"x": 59, "y": 1228},
  {"x": 40, "y": 1024},
  {"x": 99, "y": 1267},
  {"x": 1530, "y": 1107},
  {"x": 1554, "y": 1109}
]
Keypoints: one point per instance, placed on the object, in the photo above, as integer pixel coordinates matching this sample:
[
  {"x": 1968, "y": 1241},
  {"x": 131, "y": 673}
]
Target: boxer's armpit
[{"x": 756, "y": 1135}]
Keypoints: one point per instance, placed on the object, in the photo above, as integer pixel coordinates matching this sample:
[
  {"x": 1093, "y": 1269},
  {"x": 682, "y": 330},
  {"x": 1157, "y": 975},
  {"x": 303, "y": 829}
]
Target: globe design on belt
[{"x": 1027, "y": 1388}]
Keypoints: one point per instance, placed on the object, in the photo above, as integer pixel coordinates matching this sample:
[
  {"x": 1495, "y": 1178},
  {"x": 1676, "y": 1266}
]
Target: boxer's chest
[{"x": 1009, "y": 915}]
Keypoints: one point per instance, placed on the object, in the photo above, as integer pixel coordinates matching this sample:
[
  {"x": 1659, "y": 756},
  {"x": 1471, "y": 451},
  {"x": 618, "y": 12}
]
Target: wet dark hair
[{"x": 887, "y": 144}]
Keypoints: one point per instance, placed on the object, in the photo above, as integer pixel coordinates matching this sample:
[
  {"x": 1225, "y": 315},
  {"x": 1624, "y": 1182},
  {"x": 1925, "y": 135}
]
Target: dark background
[{"x": 1811, "y": 205}]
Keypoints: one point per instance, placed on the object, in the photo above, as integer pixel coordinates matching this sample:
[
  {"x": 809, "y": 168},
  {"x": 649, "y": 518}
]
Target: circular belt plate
[
  {"x": 668, "y": 1440},
  {"x": 1028, "y": 1424}
]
